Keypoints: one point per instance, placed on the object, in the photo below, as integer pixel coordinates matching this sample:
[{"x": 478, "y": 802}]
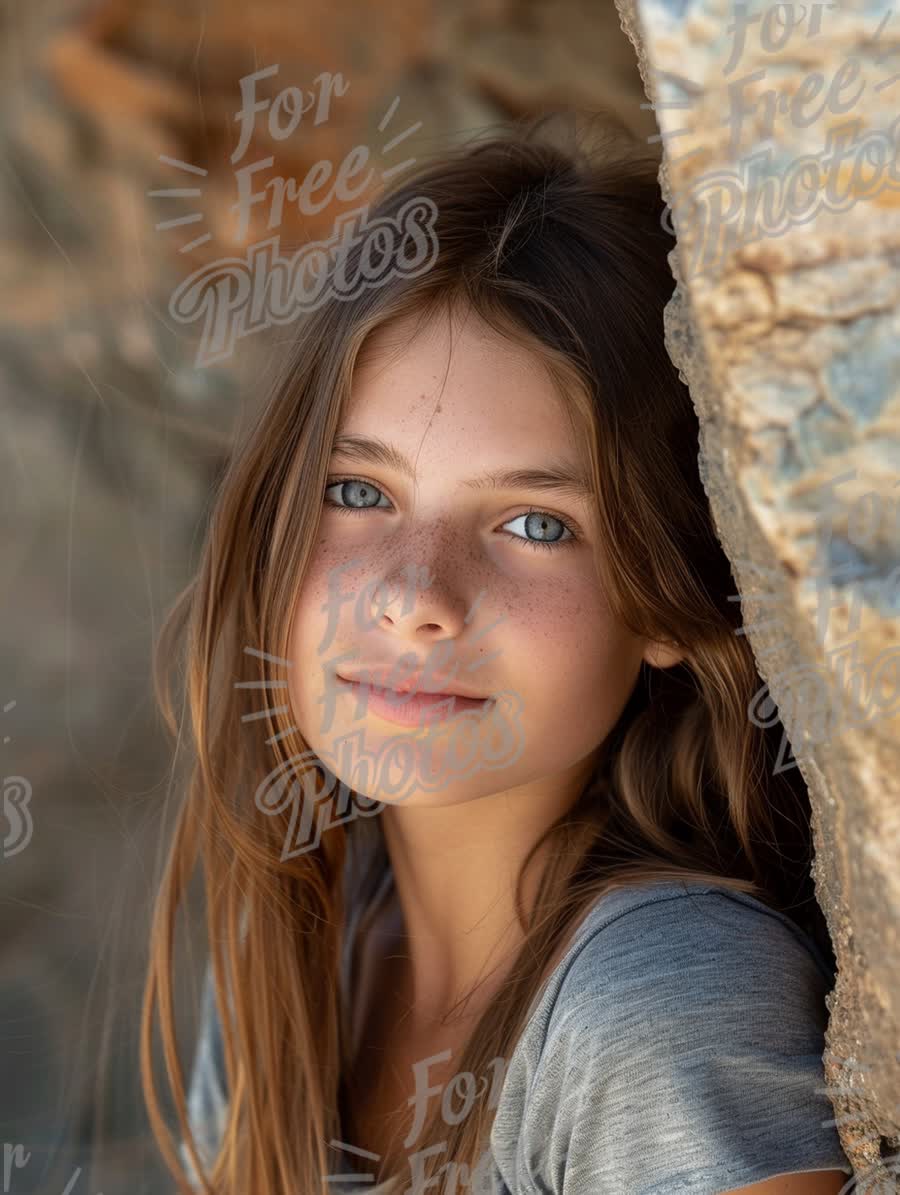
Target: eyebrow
[{"x": 560, "y": 477}]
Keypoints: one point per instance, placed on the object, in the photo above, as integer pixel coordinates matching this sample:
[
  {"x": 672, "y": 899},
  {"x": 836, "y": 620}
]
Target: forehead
[{"x": 460, "y": 381}]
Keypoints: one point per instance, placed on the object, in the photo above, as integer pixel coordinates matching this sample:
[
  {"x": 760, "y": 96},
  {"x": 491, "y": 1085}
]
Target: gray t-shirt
[{"x": 676, "y": 1048}]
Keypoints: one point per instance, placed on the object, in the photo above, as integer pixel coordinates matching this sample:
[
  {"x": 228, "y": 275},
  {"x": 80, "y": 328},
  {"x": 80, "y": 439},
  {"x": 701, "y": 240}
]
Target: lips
[
  {"x": 413, "y": 708},
  {"x": 376, "y": 678}
]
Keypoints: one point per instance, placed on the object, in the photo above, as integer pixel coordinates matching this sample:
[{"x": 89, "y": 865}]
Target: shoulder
[
  {"x": 681, "y": 1049},
  {"x": 697, "y": 944}
]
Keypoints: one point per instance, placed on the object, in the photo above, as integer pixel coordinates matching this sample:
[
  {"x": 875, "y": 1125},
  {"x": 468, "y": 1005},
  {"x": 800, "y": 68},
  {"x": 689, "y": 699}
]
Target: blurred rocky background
[{"x": 112, "y": 434}]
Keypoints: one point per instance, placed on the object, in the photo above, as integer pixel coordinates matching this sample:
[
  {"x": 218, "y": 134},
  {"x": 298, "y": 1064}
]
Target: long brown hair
[{"x": 563, "y": 249}]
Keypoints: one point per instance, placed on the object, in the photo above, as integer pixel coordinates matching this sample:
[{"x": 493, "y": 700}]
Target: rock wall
[{"x": 781, "y": 169}]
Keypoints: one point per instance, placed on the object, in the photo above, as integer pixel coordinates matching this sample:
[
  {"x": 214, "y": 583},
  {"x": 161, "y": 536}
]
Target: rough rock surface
[{"x": 786, "y": 326}]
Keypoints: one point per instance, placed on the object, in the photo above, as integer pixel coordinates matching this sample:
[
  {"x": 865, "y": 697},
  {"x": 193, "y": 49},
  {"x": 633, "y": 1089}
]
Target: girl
[{"x": 503, "y": 894}]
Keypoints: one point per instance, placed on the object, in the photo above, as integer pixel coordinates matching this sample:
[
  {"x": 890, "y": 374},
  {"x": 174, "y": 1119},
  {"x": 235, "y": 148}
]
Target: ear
[{"x": 663, "y": 655}]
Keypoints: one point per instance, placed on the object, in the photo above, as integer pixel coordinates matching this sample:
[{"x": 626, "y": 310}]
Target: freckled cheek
[
  {"x": 541, "y": 647},
  {"x": 573, "y": 645},
  {"x": 557, "y": 616},
  {"x": 332, "y": 595}
]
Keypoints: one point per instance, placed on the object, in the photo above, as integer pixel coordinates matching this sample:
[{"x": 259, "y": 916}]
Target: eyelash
[{"x": 530, "y": 543}]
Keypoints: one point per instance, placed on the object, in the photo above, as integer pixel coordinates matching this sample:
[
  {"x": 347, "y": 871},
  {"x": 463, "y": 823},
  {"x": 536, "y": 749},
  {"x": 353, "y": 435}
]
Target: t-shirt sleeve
[
  {"x": 687, "y": 1057},
  {"x": 207, "y": 1098}
]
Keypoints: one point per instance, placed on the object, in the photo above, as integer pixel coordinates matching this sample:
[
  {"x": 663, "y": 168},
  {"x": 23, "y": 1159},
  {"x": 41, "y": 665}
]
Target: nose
[{"x": 413, "y": 601}]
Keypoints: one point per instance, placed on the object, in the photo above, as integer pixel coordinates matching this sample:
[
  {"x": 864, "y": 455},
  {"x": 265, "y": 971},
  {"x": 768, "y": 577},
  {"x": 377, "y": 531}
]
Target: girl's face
[{"x": 454, "y": 584}]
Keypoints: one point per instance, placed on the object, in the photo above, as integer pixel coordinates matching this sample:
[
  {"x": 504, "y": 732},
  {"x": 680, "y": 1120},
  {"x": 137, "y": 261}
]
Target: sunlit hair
[{"x": 561, "y": 249}]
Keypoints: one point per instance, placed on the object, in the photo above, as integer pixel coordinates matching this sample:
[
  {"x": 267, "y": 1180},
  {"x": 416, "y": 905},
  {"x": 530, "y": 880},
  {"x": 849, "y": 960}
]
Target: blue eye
[
  {"x": 366, "y": 491},
  {"x": 536, "y": 521}
]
